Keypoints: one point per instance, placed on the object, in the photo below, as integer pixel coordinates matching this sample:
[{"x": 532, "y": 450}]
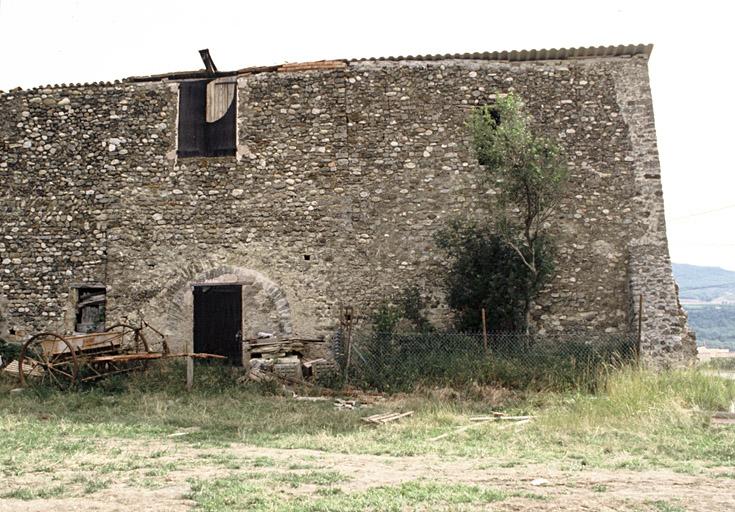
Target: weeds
[
  {"x": 234, "y": 494},
  {"x": 665, "y": 506},
  {"x": 394, "y": 361},
  {"x": 263, "y": 462},
  {"x": 720, "y": 363},
  {"x": 8, "y": 352},
  {"x": 35, "y": 493},
  {"x": 406, "y": 496},
  {"x": 96, "y": 485},
  {"x": 313, "y": 477},
  {"x": 637, "y": 419}
]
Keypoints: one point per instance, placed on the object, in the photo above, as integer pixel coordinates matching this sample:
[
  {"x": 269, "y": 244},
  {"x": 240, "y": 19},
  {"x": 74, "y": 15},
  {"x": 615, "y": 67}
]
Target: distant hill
[
  {"x": 708, "y": 295},
  {"x": 704, "y": 284},
  {"x": 714, "y": 324}
]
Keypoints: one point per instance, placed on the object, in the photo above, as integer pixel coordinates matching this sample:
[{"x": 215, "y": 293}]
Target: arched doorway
[{"x": 263, "y": 307}]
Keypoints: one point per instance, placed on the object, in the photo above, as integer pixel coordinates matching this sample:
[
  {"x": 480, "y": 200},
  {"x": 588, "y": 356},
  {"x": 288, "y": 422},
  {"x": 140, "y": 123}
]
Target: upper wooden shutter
[
  {"x": 192, "y": 103},
  {"x": 221, "y": 116}
]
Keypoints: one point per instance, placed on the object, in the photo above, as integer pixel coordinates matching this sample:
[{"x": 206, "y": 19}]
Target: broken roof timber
[{"x": 590, "y": 52}]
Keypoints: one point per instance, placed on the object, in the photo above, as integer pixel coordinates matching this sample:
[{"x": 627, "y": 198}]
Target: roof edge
[{"x": 587, "y": 52}]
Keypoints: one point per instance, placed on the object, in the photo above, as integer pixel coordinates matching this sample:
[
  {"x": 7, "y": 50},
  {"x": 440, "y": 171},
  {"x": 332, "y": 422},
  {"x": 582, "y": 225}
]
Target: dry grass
[{"x": 638, "y": 421}]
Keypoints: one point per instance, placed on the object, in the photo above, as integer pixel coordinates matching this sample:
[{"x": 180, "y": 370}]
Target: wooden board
[
  {"x": 380, "y": 419},
  {"x": 142, "y": 356},
  {"x": 28, "y": 370},
  {"x": 83, "y": 342}
]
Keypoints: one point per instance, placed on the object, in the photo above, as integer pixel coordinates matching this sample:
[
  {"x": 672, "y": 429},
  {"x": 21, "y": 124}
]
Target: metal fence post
[{"x": 348, "y": 324}]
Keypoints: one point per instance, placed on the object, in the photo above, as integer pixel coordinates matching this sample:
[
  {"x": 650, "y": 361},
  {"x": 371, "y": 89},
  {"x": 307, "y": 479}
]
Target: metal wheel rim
[{"x": 58, "y": 371}]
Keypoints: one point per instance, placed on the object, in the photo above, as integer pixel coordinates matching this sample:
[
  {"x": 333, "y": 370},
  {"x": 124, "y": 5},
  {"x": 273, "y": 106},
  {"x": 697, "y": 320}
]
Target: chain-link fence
[{"x": 400, "y": 361}]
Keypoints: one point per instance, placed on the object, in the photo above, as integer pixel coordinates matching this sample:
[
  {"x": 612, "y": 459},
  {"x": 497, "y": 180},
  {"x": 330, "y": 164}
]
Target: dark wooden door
[{"x": 218, "y": 321}]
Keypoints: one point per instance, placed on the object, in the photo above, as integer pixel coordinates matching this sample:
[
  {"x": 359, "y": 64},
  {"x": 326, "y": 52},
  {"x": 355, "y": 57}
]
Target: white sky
[{"x": 60, "y": 41}]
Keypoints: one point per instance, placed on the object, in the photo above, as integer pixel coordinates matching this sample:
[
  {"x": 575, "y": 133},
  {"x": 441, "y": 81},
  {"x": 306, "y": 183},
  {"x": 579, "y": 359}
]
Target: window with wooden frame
[
  {"x": 207, "y": 117},
  {"x": 90, "y": 309}
]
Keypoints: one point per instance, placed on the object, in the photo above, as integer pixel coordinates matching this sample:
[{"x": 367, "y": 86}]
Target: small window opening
[
  {"x": 207, "y": 117},
  {"x": 307, "y": 257},
  {"x": 91, "y": 303}
]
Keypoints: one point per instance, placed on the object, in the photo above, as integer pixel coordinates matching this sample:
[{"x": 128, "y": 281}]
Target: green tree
[
  {"x": 413, "y": 308},
  {"x": 530, "y": 174},
  {"x": 385, "y": 317},
  {"x": 485, "y": 272}
]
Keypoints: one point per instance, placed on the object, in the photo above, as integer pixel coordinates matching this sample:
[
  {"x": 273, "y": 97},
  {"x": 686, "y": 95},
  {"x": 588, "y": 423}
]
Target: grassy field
[{"x": 226, "y": 446}]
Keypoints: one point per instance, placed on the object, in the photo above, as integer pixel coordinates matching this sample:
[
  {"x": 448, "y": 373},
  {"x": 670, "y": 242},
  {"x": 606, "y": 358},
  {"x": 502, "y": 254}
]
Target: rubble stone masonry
[{"x": 342, "y": 176}]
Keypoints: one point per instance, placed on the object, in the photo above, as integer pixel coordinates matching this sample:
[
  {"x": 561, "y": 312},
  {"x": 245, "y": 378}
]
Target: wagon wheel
[
  {"x": 137, "y": 344},
  {"x": 49, "y": 359}
]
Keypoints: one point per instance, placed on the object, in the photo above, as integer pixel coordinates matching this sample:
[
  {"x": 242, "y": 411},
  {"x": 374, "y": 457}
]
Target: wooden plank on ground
[
  {"x": 521, "y": 420},
  {"x": 29, "y": 369},
  {"x": 499, "y": 418},
  {"x": 380, "y": 419}
]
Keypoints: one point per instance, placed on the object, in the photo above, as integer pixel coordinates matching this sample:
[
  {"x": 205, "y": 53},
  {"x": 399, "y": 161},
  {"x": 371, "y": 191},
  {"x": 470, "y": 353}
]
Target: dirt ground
[{"x": 577, "y": 489}]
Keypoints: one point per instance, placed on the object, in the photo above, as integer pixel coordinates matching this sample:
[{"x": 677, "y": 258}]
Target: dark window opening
[
  {"x": 307, "y": 257},
  {"x": 90, "y": 309},
  {"x": 207, "y": 117}
]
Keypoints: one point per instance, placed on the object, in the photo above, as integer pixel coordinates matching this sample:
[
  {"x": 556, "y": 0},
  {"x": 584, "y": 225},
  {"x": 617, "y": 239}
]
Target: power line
[
  {"x": 702, "y": 244},
  {"x": 721, "y": 285},
  {"x": 705, "y": 212}
]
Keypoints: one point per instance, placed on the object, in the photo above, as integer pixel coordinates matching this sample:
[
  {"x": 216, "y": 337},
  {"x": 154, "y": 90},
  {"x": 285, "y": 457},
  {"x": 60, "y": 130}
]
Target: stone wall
[
  {"x": 665, "y": 335},
  {"x": 341, "y": 178}
]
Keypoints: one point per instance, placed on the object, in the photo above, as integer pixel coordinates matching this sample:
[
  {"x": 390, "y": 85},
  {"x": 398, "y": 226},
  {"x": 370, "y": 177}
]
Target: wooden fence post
[
  {"x": 189, "y": 373},
  {"x": 640, "y": 326},
  {"x": 484, "y": 330},
  {"x": 189, "y": 366}
]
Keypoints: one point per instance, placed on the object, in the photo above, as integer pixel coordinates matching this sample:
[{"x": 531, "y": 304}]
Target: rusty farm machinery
[{"x": 65, "y": 361}]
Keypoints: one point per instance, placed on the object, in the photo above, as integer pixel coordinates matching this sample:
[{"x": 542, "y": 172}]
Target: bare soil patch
[{"x": 155, "y": 476}]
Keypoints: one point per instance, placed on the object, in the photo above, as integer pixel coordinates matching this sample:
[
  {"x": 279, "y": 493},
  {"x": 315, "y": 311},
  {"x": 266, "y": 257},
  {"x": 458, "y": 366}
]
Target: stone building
[{"x": 305, "y": 187}]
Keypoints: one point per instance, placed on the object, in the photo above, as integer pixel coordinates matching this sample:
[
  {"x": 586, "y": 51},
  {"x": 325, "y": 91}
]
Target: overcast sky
[{"x": 62, "y": 41}]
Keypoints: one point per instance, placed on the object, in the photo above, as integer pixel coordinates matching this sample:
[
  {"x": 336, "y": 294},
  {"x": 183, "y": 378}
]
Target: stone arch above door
[{"x": 265, "y": 306}]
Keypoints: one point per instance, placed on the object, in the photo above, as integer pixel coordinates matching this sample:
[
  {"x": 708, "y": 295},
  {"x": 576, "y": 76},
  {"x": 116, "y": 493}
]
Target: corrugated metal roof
[
  {"x": 65, "y": 86},
  {"x": 589, "y": 52}
]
